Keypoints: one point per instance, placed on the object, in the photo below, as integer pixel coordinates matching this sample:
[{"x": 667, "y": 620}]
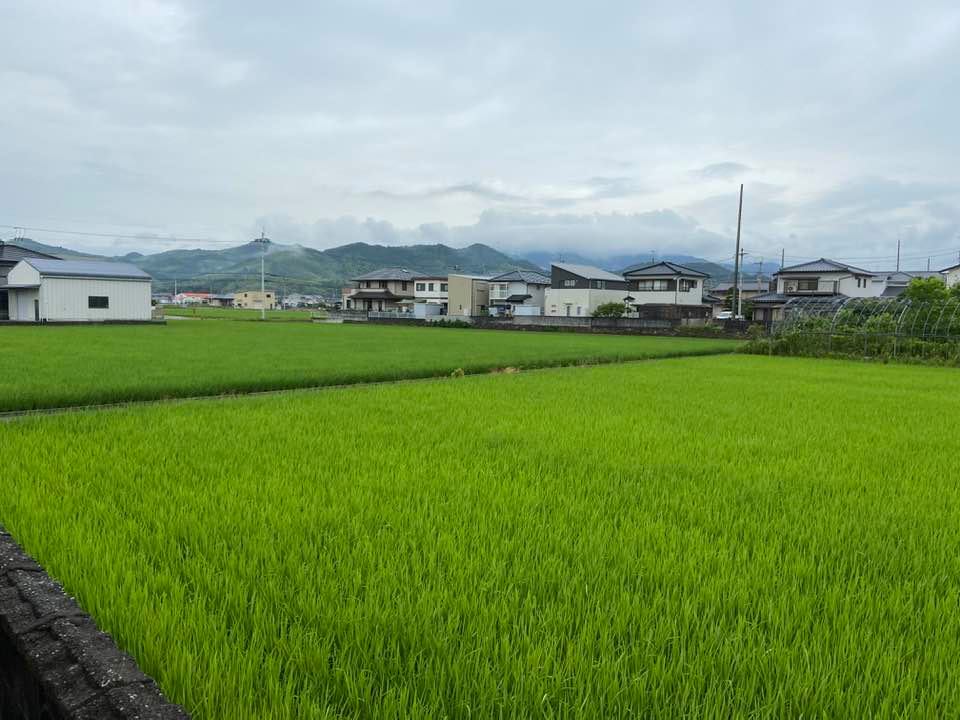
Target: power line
[{"x": 119, "y": 236}]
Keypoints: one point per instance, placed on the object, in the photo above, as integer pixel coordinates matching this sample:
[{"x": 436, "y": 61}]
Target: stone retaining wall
[{"x": 55, "y": 664}]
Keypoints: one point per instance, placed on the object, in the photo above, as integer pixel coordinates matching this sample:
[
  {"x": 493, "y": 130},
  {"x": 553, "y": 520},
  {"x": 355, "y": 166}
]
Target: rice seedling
[
  {"x": 58, "y": 366},
  {"x": 700, "y": 537}
]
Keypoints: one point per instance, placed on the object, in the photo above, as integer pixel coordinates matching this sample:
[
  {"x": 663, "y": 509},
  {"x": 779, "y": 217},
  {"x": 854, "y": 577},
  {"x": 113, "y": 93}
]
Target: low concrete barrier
[{"x": 55, "y": 664}]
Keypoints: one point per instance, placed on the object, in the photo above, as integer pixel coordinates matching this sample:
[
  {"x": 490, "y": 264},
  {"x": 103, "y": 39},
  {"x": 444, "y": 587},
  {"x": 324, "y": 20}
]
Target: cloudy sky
[{"x": 603, "y": 128}]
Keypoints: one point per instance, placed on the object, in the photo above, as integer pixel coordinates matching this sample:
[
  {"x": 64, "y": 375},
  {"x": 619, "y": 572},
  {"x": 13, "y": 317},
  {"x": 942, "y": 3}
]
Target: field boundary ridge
[{"x": 55, "y": 663}]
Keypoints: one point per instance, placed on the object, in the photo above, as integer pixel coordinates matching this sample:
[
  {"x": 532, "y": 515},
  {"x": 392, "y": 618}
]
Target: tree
[
  {"x": 931, "y": 289},
  {"x": 610, "y": 309}
]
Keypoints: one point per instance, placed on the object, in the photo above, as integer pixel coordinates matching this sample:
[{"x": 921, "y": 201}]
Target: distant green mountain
[{"x": 293, "y": 268}]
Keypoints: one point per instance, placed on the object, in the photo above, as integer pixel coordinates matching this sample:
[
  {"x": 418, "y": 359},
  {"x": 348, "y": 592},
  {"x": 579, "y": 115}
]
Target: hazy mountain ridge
[{"x": 294, "y": 268}]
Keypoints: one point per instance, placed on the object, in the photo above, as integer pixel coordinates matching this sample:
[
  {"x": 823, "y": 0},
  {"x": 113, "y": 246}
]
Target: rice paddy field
[
  {"x": 216, "y": 313},
  {"x": 42, "y": 367},
  {"x": 728, "y": 536}
]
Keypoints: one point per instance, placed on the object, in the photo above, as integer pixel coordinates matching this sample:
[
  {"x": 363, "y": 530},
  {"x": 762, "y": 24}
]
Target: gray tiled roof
[
  {"x": 662, "y": 268},
  {"x": 390, "y": 273},
  {"x": 746, "y": 286},
  {"x": 86, "y": 268},
  {"x": 528, "y": 276},
  {"x": 589, "y": 272},
  {"x": 16, "y": 253},
  {"x": 824, "y": 265}
]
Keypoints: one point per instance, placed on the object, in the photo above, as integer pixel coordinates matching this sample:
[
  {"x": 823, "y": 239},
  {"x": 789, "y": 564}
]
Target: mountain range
[{"x": 294, "y": 268}]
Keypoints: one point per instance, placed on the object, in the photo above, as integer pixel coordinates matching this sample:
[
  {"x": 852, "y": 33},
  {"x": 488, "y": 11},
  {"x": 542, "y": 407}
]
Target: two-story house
[
  {"x": 577, "y": 290},
  {"x": 384, "y": 289},
  {"x": 431, "y": 294},
  {"x": 821, "y": 278},
  {"x": 518, "y": 292}
]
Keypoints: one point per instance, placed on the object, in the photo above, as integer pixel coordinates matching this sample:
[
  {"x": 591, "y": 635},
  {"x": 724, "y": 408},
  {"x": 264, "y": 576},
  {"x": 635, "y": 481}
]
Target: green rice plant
[
  {"x": 58, "y": 366},
  {"x": 703, "y": 537}
]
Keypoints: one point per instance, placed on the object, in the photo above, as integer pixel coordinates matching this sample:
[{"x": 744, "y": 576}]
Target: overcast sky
[{"x": 609, "y": 127}]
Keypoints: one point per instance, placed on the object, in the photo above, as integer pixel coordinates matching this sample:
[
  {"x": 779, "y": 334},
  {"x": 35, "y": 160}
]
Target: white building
[
  {"x": 518, "y": 292},
  {"x": 42, "y": 290},
  {"x": 664, "y": 283},
  {"x": 821, "y": 278},
  {"x": 577, "y": 290},
  {"x": 951, "y": 275},
  {"x": 430, "y": 290}
]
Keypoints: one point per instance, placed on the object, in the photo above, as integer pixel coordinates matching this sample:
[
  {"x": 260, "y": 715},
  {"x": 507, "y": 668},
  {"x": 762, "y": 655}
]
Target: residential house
[
  {"x": 385, "y": 289},
  {"x": 469, "y": 296},
  {"x": 823, "y": 278},
  {"x": 46, "y": 290},
  {"x": 10, "y": 255},
  {"x": 891, "y": 283},
  {"x": 666, "y": 291},
  {"x": 951, "y": 275},
  {"x": 577, "y": 290},
  {"x": 518, "y": 292},
  {"x": 255, "y": 299},
  {"x": 192, "y": 298},
  {"x": 716, "y": 296},
  {"x": 220, "y": 300},
  {"x": 430, "y": 295}
]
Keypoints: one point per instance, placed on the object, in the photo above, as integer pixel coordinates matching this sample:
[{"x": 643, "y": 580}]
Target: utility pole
[
  {"x": 928, "y": 264},
  {"x": 263, "y": 297},
  {"x": 783, "y": 255},
  {"x": 740, "y": 284},
  {"x": 759, "y": 274},
  {"x": 736, "y": 259},
  {"x": 898, "y": 251}
]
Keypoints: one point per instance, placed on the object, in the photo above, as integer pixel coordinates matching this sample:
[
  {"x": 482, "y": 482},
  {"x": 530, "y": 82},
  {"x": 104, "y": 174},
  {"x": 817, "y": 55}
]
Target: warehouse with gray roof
[{"x": 49, "y": 290}]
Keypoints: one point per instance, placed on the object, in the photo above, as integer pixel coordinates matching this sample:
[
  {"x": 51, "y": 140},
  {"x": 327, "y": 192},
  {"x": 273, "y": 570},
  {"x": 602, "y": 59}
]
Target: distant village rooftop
[{"x": 823, "y": 265}]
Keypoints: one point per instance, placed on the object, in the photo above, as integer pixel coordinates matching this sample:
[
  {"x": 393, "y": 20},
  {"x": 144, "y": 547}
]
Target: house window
[
  {"x": 382, "y": 284},
  {"x": 421, "y": 287},
  {"x": 430, "y": 287},
  {"x": 808, "y": 285},
  {"x": 569, "y": 283},
  {"x": 653, "y": 285},
  {"x": 443, "y": 287},
  {"x": 403, "y": 285},
  {"x": 579, "y": 310},
  {"x": 599, "y": 285},
  {"x": 687, "y": 285},
  {"x": 100, "y": 302}
]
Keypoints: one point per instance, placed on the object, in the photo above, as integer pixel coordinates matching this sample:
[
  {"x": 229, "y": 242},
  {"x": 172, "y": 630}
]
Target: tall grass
[
  {"x": 705, "y": 537},
  {"x": 55, "y": 366}
]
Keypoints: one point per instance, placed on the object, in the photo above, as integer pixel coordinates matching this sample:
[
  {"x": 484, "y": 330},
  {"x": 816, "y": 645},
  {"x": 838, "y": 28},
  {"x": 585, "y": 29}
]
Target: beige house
[
  {"x": 469, "y": 296},
  {"x": 381, "y": 290},
  {"x": 255, "y": 299}
]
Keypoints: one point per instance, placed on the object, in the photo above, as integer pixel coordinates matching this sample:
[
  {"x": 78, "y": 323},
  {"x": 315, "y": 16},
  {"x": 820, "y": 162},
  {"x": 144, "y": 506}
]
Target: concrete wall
[{"x": 54, "y": 662}]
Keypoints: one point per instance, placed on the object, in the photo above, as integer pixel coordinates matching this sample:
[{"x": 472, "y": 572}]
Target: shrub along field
[
  {"x": 57, "y": 366},
  {"x": 711, "y": 537}
]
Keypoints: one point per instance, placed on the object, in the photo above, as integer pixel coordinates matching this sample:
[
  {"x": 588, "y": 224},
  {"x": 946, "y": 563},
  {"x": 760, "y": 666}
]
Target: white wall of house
[
  {"x": 693, "y": 296},
  {"x": 502, "y": 290},
  {"x": 431, "y": 290},
  {"x": 952, "y": 277},
  {"x": 827, "y": 282},
  {"x": 573, "y": 302}
]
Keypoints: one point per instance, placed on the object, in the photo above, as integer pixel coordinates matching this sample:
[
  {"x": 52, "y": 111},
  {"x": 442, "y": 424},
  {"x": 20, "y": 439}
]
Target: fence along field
[
  {"x": 57, "y": 366},
  {"x": 709, "y": 537}
]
